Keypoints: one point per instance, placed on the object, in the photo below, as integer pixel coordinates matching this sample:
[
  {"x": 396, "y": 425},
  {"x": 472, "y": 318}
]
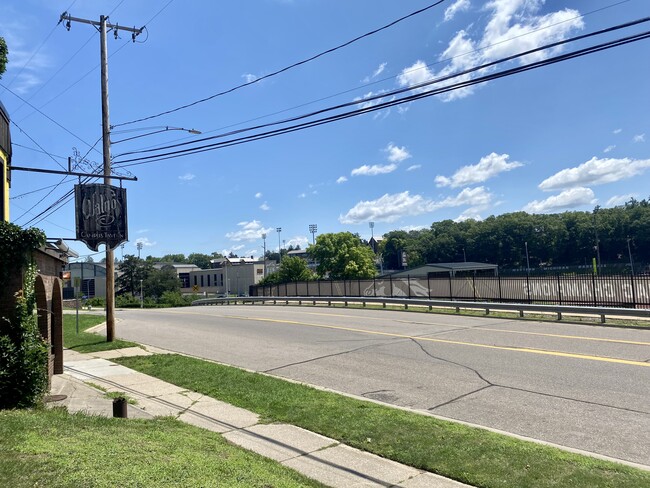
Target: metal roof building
[{"x": 448, "y": 269}]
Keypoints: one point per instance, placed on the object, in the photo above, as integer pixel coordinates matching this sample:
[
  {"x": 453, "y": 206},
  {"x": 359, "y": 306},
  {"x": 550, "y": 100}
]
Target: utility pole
[{"x": 102, "y": 26}]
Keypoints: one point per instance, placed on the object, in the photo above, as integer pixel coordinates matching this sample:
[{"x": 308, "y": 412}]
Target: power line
[
  {"x": 45, "y": 115},
  {"x": 37, "y": 150},
  {"x": 286, "y": 68},
  {"x": 41, "y": 147},
  {"x": 429, "y": 65},
  {"x": 380, "y": 106}
]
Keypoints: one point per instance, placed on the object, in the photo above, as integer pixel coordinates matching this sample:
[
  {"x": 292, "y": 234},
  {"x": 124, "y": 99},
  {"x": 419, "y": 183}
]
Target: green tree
[
  {"x": 342, "y": 255},
  {"x": 174, "y": 258},
  {"x": 133, "y": 270},
  {"x": 201, "y": 260},
  {"x": 160, "y": 281},
  {"x": 3, "y": 56},
  {"x": 294, "y": 269}
]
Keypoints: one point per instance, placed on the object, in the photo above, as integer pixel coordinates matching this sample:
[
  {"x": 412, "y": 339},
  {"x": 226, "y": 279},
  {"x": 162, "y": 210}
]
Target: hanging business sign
[{"x": 101, "y": 215}]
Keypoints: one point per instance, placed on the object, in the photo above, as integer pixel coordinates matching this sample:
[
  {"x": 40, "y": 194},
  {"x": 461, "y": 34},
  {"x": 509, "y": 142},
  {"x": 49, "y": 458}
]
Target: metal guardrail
[{"x": 522, "y": 308}]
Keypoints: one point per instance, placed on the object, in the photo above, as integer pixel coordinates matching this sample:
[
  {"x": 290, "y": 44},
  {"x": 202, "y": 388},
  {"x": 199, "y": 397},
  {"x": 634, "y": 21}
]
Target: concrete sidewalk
[{"x": 318, "y": 457}]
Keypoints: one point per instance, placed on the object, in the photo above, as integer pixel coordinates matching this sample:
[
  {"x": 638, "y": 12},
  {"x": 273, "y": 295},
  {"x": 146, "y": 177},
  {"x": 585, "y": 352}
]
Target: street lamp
[
  {"x": 313, "y": 228},
  {"x": 279, "y": 230},
  {"x": 264, "y": 239},
  {"x": 139, "y": 246},
  {"x": 629, "y": 251},
  {"x": 372, "y": 229},
  {"x": 162, "y": 128}
]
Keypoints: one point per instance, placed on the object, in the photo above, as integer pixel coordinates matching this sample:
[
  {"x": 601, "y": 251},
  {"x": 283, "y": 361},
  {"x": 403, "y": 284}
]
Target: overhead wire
[
  {"x": 63, "y": 200},
  {"x": 40, "y": 147},
  {"x": 286, "y": 68},
  {"x": 379, "y": 106},
  {"x": 382, "y": 80}
]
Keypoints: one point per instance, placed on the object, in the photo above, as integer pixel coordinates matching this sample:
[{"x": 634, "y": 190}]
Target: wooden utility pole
[{"x": 102, "y": 26}]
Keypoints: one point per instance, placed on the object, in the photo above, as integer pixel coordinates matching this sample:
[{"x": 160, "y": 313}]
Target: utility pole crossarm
[{"x": 65, "y": 16}]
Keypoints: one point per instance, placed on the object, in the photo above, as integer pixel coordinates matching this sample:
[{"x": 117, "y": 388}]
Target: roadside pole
[{"x": 106, "y": 132}]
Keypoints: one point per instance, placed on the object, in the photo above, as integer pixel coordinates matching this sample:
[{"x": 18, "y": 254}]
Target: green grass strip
[
  {"x": 471, "y": 455},
  {"x": 55, "y": 449},
  {"x": 87, "y": 341}
]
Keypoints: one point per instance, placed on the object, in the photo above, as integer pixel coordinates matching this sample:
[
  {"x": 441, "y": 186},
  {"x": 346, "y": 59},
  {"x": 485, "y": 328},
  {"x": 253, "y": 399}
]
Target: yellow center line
[
  {"x": 440, "y": 341},
  {"x": 542, "y": 334}
]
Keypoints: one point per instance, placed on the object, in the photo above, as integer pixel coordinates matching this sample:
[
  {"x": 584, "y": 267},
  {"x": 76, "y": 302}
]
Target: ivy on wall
[{"x": 23, "y": 352}]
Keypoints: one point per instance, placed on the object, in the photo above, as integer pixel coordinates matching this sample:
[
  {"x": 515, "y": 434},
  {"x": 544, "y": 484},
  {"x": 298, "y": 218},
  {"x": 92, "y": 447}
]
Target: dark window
[
  {"x": 195, "y": 280},
  {"x": 208, "y": 280},
  {"x": 201, "y": 280}
]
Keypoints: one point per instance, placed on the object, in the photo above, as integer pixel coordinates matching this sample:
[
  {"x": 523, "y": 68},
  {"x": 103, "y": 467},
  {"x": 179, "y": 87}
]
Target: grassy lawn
[
  {"x": 87, "y": 341},
  {"x": 474, "y": 456},
  {"x": 55, "y": 449}
]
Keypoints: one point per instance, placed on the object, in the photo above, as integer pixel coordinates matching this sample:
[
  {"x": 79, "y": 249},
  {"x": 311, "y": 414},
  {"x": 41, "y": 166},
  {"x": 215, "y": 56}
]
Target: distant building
[
  {"x": 89, "y": 278},
  {"x": 374, "y": 243},
  {"x": 5, "y": 161},
  {"x": 227, "y": 276},
  {"x": 183, "y": 271}
]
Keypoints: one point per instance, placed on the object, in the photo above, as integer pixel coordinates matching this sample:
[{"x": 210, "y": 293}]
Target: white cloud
[
  {"x": 409, "y": 228},
  {"x": 454, "y": 8},
  {"x": 609, "y": 148},
  {"x": 238, "y": 247},
  {"x": 469, "y": 214},
  {"x": 513, "y": 27},
  {"x": 187, "y": 177},
  {"x": 249, "y": 231},
  {"x": 617, "y": 131},
  {"x": 25, "y": 66},
  {"x": 474, "y": 197},
  {"x": 142, "y": 231},
  {"x": 302, "y": 195},
  {"x": 265, "y": 206},
  {"x": 374, "y": 170},
  {"x": 488, "y": 167},
  {"x": 258, "y": 195},
  {"x": 144, "y": 241},
  {"x": 380, "y": 69},
  {"x": 249, "y": 78},
  {"x": 639, "y": 138},
  {"x": 301, "y": 241},
  {"x": 414, "y": 167},
  {"x": 566, "y": 200},
  {"x": 595, "y": 172},
  {"x": 341, "y": 179},
  {"x": 397, "y": 154},
  {"x": 387, "y": 208},
  {"x": 621, "y": 199}
]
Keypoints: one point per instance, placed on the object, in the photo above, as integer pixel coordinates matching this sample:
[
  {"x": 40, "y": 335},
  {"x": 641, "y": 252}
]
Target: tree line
[{"x": 565, "y": 239}]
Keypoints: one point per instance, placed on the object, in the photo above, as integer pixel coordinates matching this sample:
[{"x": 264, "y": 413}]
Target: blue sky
[{"x": 563, "y": 137}]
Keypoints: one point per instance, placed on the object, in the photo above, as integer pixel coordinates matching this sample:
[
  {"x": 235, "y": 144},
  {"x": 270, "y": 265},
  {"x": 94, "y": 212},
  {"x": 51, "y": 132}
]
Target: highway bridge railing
[{"x": 558, "y": 311}]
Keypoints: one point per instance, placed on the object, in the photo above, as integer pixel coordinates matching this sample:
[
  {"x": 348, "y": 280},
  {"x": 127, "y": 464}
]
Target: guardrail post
[
  {"x": 521, "y": 314},
  {"x": 487, "y": 311},
  {"x": 406, "y": 306},
  {"x": 364, "y": 303},
  {"x": 602, "y": 319},
  {"x": 329, "y": 303},
  {"x": 384, "y": 304},
  {"x": 457, "y": 309},
  {"x": 559, "y": 315}
]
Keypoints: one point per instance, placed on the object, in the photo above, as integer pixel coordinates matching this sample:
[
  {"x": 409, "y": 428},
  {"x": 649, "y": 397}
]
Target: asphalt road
[{"x": 585, "y": 387}]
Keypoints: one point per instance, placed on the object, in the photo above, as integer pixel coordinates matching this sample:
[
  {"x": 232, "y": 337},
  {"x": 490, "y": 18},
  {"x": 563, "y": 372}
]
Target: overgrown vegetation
[
  {"x": 471, "y": 455},
  {"x": 23, "y": 352},
  {"x": 562, "y": 239},
  {"x": 55, "y": 449}
]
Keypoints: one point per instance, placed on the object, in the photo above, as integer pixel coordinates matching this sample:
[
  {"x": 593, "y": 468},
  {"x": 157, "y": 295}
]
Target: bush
[
  {"x": 127, "y": 301},
  {"x": 23, "y": 352},
  {"x": 96, "y": 302}
]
